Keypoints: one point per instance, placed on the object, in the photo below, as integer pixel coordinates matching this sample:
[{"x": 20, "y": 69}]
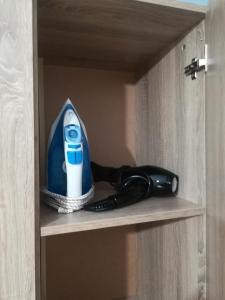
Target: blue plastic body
[{"x": 75, "y": 157}]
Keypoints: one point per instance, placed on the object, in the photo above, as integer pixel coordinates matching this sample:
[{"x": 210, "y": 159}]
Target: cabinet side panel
[
  {"x": 215, "y": 149},
  {"x": 171, "y": 117},
  {"x": 171, "y": 125},
  {"x": 168, "y": 260},
  {"x": 17, "y": 156},
  {"x": 42, "y": 136}
]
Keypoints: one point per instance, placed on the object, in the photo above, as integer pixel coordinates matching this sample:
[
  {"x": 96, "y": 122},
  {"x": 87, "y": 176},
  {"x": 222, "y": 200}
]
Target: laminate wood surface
[
  {"x": 18, "y": 205},
  {"x": 215, "y": 149},
  {"x": 171, "y": 125},
  {"x": 168, "y": 260},
  {"x": 150, "y": 210},
  {"x": 110, "y": 34},
  {"x": 170, "y": 117}
]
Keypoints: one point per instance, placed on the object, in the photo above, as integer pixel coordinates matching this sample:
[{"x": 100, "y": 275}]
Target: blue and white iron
[{"x": 69, "y": 175}]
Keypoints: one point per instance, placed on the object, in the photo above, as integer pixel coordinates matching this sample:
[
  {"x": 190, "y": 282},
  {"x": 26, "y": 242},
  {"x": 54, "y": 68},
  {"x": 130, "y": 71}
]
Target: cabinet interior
[
  {"x": 124, "y": 35},
  {"x": 129, "y": 262},
  {"x": 121, "y": 63}
]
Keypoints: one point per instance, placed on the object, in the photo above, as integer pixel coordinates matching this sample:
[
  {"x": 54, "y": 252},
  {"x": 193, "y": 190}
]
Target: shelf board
[
  {"x": 121, "y": 35},
  {"x": 149, "y": 210}
]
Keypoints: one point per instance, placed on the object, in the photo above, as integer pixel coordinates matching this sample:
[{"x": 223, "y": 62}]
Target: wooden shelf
[
  {"x": 122, "y": 35},
  {"x": 150, "y": 210}
]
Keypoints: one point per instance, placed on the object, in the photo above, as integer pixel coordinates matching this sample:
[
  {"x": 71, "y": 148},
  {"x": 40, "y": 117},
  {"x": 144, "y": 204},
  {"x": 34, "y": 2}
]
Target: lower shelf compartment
[
  {"x": 149, "y": 210},
  {"x": 157, "y": 260}
]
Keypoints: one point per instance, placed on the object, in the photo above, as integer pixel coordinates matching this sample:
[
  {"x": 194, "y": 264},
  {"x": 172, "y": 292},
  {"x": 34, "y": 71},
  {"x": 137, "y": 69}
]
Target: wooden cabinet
[{"x": 122, "y": 64}]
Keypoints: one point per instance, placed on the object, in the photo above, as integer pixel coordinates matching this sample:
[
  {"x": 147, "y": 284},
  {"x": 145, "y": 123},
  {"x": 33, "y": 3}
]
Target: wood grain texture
[
  {"x": 109, "y": 34},
  {"x": 18, "y": 205},
  {"x": 168, "y": 260},
  {"x": 150, "y": 210},
  {"x": 171, "y": 125},
  {"x": 215, "y": 149},
  {"x": 171, "y": 117},
  {"x": 36, "y": 141}
]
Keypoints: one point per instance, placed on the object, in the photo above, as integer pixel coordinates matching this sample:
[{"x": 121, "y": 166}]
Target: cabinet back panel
[
  {"x": 96, "y": 265},
  {"x": 105, "y": 101}
]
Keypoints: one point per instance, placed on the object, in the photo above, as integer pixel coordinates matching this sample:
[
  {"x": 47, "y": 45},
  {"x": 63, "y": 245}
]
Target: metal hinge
[{"x": 197, "y": 65}]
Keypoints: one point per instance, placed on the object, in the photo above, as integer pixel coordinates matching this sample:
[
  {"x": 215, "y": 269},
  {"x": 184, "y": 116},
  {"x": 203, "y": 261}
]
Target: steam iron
[{"x": 69, "y": 177}]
